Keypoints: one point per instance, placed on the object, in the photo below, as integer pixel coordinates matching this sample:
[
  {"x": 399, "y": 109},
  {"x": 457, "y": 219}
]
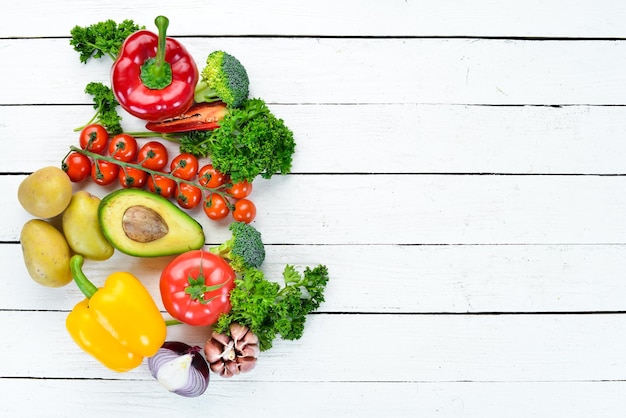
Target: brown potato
[
  {"x": 46, "y": 253},
  {"x": 46, "y": 192}
]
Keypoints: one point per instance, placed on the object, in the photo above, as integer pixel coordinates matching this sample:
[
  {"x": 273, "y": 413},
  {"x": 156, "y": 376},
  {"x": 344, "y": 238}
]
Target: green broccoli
[
  {"x": 244, "y": 249},
  {"x": 223, "y": 78}
]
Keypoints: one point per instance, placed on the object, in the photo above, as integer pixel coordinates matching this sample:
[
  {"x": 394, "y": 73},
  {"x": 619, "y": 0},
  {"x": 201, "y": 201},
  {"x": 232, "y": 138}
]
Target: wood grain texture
[
  {"x": 447, "y": 400},
  {"x": 459, "y": 169},
  {"x": 416, "y": 209},
  {"x": 396, "y": 279},
  {"x": 350, "y": 348},
  {"x": 377, "y": 70},
  {"x": 534, "y": 18},
  {"x": 383, "y": 138}
]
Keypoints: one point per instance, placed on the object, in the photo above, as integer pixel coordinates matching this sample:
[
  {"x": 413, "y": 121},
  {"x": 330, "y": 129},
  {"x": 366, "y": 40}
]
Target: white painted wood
[
  {"x": 454, "y": 292},
  {"x": 415, "y": 209},
  {"x": 395, "y": 279},
  {"x": 337, "y": 399},
  {"x": 561, "y": 18},
  {"x": 369, "y": 348},
  {"x": 310, "y": 70},
  {"x": 386, "y": 138}
]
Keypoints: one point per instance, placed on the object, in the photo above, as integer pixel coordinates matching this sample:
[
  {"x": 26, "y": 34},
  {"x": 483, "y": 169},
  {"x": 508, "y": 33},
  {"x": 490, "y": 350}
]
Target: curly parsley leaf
[
  {"x": 252, "y": 301},
  {"x": 102, "y": 38},
  {"x": 249, "y": 142},
  {"x": 269, "y": 310},
  {"x": 106, "y": 104}
]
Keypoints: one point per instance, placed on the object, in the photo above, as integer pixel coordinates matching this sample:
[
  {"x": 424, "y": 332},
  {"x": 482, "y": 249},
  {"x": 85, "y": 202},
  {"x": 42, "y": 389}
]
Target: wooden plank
[
  {"x": 353, "y": 348},
  {"x": 309, "y": 71},
  {"x": 389, "y": 138},
  {"x": 347, "y": 18},
  {"x": 415, "y": 209},
  {"x": 394, "y": 279},
  {"x": 62, "y": 398}
]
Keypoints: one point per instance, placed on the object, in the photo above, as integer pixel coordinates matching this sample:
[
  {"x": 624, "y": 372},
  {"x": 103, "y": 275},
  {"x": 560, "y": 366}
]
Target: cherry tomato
[
  {"x": 77, "y": 166},
  {"x": 184, "y": 166},
  {"x": 104, "y": 172},
  {"x": 240, "y": 190},
  {"x": 123, "y": 147},
  {"x": 162, "y": 185},
  {"x": 188, "y": 196},
  {"x": 94, "y": 138},
  {"x": 209, "y": 177},
  {"x": 215, "y": 207},
  {"x": 153, "y": 155},
  {"x": 245, "y": 211},
  {"x": 132, "y": 177}
]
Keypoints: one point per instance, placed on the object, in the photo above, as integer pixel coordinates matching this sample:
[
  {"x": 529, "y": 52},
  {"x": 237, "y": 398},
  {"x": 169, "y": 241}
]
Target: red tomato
[
  {"x": 209, "y": 177},
  {"x": 216, "y": 207},
  {"x": 184, "y": 166},
  {"x": 188, "y": 196},
  {"x": 240, "y": 190},
  {"x": 94, "y": 138},
  {"x": 195, "y": 287},
  {"x": 245, "y": 211},
  {"x": 123, "y": 147},
  {"x": 104, "y": 172},
  {"x": 153, "y": 155},
  {"x": 162, "y": 185},
  {"x": 132, "y": 177},
  {"x": 77, "y": 166}
]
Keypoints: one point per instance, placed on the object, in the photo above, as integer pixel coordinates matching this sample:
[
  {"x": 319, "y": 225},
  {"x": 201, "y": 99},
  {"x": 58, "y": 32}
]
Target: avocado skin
[{"x": 184, "y": 232}]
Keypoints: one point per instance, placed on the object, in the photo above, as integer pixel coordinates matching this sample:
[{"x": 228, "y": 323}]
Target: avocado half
[{"x": 145, "y": 224}]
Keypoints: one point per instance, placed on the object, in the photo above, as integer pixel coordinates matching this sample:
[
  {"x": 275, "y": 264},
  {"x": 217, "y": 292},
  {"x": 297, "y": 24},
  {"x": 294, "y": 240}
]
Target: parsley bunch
[
  {"x": 102, "y": 38},
  {"x": 269, "y": 310},
  {"x": 106, "y": 104},
  {"x": 250, "y": 141}
]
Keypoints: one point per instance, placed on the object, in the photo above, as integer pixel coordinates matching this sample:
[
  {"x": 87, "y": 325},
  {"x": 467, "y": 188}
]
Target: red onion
[{"x": 180, "y": 368}]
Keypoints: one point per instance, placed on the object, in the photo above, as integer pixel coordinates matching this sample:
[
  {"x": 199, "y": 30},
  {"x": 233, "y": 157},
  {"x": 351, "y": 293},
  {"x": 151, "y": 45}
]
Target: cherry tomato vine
[{"x": 188, "y": 184}]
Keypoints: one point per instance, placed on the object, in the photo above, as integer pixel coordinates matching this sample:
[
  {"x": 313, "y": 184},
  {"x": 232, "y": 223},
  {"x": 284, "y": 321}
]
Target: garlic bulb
[{"x": 234, "y": 354}]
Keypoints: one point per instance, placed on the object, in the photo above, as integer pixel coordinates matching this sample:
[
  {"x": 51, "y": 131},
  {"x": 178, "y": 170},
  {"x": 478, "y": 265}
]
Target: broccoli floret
[
  {"x": 244, "y": 249},
  {"x": 223, "y": 78}
]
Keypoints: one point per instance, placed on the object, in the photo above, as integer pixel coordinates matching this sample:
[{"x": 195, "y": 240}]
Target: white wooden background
[{"x": 459, "y": 169}]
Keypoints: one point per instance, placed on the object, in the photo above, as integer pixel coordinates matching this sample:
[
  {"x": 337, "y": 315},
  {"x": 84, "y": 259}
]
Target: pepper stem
[
  {"x": 85, "y": 286},
  {"x": 156, "y": 73},
  {"x": 161, "y": 23}
]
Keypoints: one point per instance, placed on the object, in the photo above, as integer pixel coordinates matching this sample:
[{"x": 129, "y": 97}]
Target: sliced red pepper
[
  {"x": 199, "y": 117},
  {"x": 154, "y": 77}
]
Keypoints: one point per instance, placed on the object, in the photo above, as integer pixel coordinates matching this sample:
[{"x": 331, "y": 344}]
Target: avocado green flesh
[{"x": 179, "y": 231}]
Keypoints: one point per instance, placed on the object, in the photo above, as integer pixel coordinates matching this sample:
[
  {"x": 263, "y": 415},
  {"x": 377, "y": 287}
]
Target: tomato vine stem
[{"x": 124, "y": 164}]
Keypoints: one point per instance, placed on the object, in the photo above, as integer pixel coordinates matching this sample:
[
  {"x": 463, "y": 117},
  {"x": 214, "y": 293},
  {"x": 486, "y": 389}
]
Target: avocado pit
[{"x": 143, "y": 224}]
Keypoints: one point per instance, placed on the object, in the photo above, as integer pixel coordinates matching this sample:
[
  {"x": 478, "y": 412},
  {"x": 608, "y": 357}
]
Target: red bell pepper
[
  {"x": 195, "y": 287},
  {"x": 199, "y": 117},
  {"x": 154, "y": 77}
]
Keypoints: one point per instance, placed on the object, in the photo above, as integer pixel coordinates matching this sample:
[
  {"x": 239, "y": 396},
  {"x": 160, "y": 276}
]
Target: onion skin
[{"x": 197, "y": 379}]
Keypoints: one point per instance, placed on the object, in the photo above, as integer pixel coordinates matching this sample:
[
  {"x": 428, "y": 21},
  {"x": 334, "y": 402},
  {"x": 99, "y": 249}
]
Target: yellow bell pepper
[{"x": 118, "y": 324}]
